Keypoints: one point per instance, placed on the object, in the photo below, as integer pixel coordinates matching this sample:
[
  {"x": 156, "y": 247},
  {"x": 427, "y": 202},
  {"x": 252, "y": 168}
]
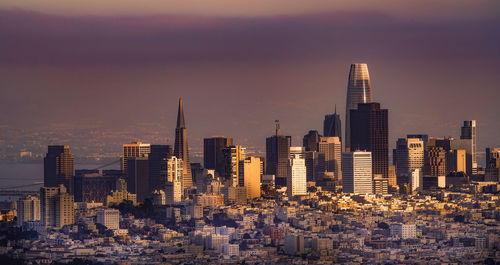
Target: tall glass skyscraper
[{"x": 358, "y": 91}]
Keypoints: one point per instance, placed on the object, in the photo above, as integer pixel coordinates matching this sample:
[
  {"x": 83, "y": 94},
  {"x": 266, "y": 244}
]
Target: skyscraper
[
  {"x": 58, "y": 167},
  {"x": 213, "y": 157},
  {"x": 277, "y": 152},
  {"x": 332, "y": 127},
  {"x": 310, "y": 140},
  {"x": 57, "y": 208},
  {"x": 435, "y": 161},
  {"x": 357, "y": 172},
  {"x": 315, "y": 165},
  {"x": 174, "y": 187},
  {"x": 28, "y": 209},
  {"x": 232, "y": 157},
  {"x": 358, "y": 91},
  {"x": 409, "y": 156},
  {"x": 492, "y": 171},
  {"x": 469, "y": 132},
  {"x": 332, "y": 150},
  {"x": 249, "y": 176},
  {"x": 181, "y": 146},
  {"x": 134, "y": 149},
  {"x": 370, "y": 132},
  {"x": 296, "y": 179},
  {"x": 138, "y": 177},
  {"x": 157, "y": 166}
]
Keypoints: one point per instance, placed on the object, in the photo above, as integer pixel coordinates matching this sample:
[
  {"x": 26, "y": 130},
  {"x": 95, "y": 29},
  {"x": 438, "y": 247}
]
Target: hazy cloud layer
[{"x": 238, "y": 74}]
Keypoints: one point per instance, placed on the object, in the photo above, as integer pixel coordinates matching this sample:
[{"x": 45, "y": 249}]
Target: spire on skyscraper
[{"x": 180, "y": 116}]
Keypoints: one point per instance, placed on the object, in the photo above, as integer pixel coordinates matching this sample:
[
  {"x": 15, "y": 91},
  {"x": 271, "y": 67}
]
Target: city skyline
[{"x": 320, "y": 132}]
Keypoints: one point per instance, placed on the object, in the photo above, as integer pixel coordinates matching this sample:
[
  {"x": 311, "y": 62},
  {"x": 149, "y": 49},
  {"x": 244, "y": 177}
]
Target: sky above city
[{"x": 240, "y": 65}]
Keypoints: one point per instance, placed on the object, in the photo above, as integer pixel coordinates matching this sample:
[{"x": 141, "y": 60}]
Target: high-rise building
[
  {"x": 249, "y": 176},
  {"x": 332, "y": 149},
  {"x": 417, "y": 179},
  {"x": 409, "y": 155},
  {"x": 456, "y": 161},
  {"x": 277, "y": 153},
  {"x": 380, "y": 184},
  {"x": 157, "y": 166},
  {"x": 311, "y": 140},
  {"x": 492, "y": 171},
  {"x": 332, "y": 127},
  {"x": 392, "y": 175},
  {"x": 134, "y": 149},
  {"x": 232, "y": 157},
  {"x": 370, "y": 132},
  {"x": 469, "y": 132},
  {"x": 357, "y": 172},
  {"x": 181, "y": 150},
  {"x": 315, "y": 165},
  {"x": 138, "y": 177},
  {"x": 28, "y": 209},
  {"x": 58, "y": 167},
  {"x": 174, "y": 187},
  {"x": 296, "y": 179},
  {"x": 57, "y": 208},
  {"x": 213, "y": 156},
  {"x": 358, "y": 91},
  {"x": 435, "y": 161}
]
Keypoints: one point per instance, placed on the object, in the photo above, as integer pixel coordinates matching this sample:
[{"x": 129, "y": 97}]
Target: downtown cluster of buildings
[{"x": 335, "y": 198}]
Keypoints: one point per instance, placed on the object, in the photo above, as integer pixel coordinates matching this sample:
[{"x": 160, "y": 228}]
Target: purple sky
[{"x": 239, "y": 71}]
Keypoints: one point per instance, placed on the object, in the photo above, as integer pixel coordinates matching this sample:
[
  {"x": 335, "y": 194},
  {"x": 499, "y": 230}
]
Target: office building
[
  {"x": 296, "y": 179},
  {"x": 435, "y": 161},
  {"x": 468, "y": 131},
  {"x": 370, "y": 132},
  {"x": 58, "y": 167},
  {"x": 380, "y": 184},
  {"x": 315, "y": 165},
  {"x": 249, "y": 176},
  {"x": 232, "y": 157},
  {"x": 357, "y": 172},
  {"x": 57, "y": 208},
  {"x": 138, "y": 177},
  {"x": 174, "y": 187},
  {"x": 157, "y": 166},
  {"x": 110, "y": 218},
  {"x": 311, "y": 140},
  {"x": 28, "y": 209},
  {"x": 492, "y": 171},
  {"x": 332, "y": 150},
  {"x": 392, "y": 175},
  {"x": 332, "y": 127},
  {"x": 417, "y": 180},
  {"x": 181, "y": 150},
  {"x": 134, "y": 149},
  {"x": 409, "y": 155},
  {"x": 456, "y": 161},
  {"x": 277, "y": 153},
  {"x": 213, "y": 155},
  {"x": 358, "y": 91}
]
